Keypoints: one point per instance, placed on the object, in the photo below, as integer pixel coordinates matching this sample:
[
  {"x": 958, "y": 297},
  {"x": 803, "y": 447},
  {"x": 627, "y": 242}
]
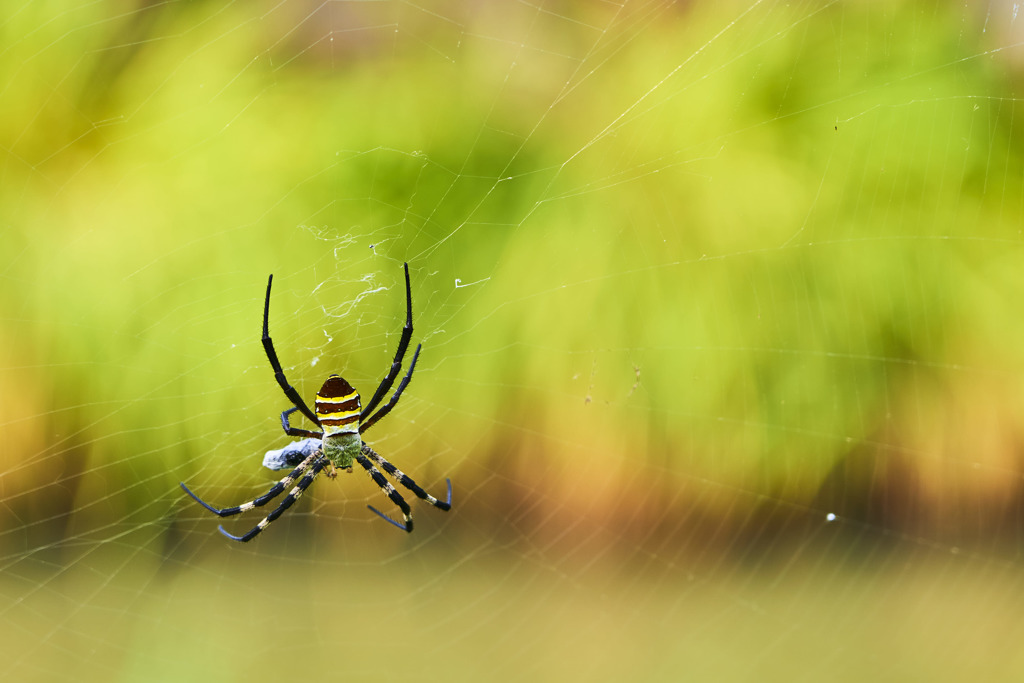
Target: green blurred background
[{"x": 720, "y": 314}]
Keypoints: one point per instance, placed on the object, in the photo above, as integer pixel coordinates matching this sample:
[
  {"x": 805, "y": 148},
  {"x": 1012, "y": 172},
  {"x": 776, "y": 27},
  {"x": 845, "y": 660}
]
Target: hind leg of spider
[
  {"x": 396, "y": 365},
  {"x": 286, "y": 503},
  {"x": 274, "y": 492},
  {"x": 372, "y": 420},
  {"x": 390, "y": 492},
  {"x": 268, "y": 346},
  {"x": 406, "y": 481},
  {"x": 295, "y": 431}
]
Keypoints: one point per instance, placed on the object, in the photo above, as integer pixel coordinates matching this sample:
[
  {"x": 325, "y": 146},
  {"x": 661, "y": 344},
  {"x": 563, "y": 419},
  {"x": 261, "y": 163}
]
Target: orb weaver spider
[{"x": 342, "y": 423}]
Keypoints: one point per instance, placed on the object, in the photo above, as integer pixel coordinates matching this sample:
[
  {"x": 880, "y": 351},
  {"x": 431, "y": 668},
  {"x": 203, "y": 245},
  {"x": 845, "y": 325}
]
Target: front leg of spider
[
  {"x": 342, "y": 421},
  {"x": 389, "y": 490}
]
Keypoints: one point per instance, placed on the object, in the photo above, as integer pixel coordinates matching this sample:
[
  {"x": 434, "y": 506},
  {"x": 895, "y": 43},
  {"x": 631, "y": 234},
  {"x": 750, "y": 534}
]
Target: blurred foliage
[{"x": 780, "y": 254}]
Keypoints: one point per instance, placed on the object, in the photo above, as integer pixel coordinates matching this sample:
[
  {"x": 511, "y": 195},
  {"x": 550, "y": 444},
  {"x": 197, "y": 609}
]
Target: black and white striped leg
[
  {"x": 274, "y": 492},
  {"x": 292, "y": 496},
  {"x": 406, "y": 481},
  {"x": 390, "y": 492},
  {"x": 295, "y": 431}
]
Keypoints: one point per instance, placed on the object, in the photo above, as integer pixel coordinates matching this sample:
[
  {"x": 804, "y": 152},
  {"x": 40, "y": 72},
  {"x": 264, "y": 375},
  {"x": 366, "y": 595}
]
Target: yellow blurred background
[{"x": 722, "y": 345}]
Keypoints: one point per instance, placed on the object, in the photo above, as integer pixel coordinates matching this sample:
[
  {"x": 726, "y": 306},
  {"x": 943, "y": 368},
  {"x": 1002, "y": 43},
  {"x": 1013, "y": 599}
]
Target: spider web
[{"x": 718, "y": 305}]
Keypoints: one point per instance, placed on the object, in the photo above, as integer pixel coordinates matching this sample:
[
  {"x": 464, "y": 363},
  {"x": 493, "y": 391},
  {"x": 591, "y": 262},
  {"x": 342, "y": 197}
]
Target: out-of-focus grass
[{"x": 502, "y": 618}]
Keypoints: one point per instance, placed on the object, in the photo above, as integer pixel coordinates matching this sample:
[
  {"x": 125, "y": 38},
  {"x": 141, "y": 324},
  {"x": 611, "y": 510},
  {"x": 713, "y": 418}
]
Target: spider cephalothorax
[{"x": 342, "y": 422}]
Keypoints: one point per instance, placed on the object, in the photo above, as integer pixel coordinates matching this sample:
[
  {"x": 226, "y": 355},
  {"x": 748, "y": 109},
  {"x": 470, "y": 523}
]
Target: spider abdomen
[{"x": 337, "y": 408}]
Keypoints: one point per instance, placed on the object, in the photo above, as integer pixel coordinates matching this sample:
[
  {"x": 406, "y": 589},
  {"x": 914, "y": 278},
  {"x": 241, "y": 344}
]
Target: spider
[{"x": 341, "y": 423}]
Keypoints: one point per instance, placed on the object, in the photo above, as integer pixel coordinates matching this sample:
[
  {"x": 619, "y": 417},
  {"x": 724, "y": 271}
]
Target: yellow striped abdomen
[{"x": 337, "y": 407}]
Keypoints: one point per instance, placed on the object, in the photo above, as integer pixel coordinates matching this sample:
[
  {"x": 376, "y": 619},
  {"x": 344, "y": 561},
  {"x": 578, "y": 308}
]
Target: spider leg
[
  {"x": 390, "y": 492},
  {"x": 406, "y": 481},
  {"x": 396, "y": 365},
  {"x": 286, "y": 503},
  {"x": 394, "y": 398},
  {"x": 274, "y": 492},
  {"x": 268, "y": 346},
  {"x": 295, "y": 431}
]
